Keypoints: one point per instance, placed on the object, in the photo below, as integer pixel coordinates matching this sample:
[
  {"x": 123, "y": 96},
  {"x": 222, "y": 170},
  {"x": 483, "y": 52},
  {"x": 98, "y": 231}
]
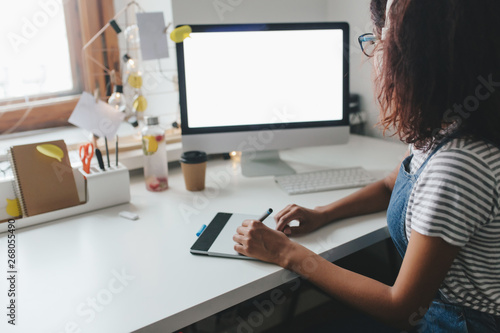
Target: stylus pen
[
  {"x": 107, "y": 150},
  {"x": 265, "y": 215},
  {"x": 116, "y": 151}
]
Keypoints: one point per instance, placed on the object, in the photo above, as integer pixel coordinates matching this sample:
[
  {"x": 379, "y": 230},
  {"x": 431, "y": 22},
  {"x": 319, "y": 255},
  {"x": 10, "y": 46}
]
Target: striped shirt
[{"x": 457, "y": 198}]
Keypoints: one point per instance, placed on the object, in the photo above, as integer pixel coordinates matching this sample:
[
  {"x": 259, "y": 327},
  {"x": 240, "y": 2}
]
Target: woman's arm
[
  {"x": 370, "y": 199},
  {"x": 424, "y": 267}
]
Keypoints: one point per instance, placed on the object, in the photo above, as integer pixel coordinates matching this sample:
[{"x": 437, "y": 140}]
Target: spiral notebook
[{"x": 43, "y": 183}]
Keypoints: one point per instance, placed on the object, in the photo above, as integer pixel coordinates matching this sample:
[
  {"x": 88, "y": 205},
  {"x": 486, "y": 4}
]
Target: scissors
[{"x": 86, "y": 153}]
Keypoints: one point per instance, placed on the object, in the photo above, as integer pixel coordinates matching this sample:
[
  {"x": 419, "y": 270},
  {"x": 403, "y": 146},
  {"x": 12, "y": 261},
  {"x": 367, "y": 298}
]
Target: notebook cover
[{"x": 44, "y": 183}]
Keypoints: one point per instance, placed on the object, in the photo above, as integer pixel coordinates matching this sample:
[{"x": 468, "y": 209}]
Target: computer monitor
[{"x": 261, "y": 88}]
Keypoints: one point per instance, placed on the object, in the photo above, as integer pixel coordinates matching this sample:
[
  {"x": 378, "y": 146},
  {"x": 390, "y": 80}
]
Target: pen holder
[{"x": 96, "y": 190}]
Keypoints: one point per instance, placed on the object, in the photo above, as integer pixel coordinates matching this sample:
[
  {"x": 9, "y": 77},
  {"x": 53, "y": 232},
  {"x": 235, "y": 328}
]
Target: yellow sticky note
[
  {"x": 13, "y": 207},
  {"x": 180, "y": 33},
  {"x": 51, "y": 150}
]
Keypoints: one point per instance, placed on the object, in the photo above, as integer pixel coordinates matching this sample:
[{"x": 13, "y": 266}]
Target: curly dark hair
[{"x": 440, "y": 66}]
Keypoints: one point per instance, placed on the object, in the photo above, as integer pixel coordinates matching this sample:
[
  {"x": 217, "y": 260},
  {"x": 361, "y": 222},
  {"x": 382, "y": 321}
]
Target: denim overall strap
[{"x": 396, "y": 212}]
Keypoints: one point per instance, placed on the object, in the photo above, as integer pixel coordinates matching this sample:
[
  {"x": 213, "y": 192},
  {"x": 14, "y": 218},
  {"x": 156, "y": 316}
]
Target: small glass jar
[{"x": 155, "y": 156}]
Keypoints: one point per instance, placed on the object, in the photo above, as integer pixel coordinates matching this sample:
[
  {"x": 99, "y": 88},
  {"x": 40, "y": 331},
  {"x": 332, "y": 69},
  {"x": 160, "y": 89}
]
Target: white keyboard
[{"x": 324, "y": 180}]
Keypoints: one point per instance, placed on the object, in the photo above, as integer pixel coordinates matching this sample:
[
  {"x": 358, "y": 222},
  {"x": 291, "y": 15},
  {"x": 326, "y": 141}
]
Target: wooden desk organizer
[{"x": 98, "y": 189}]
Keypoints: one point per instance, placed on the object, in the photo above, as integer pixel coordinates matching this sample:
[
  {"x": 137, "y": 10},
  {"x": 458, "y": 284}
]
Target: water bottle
[{"x": 155, "y": 156}]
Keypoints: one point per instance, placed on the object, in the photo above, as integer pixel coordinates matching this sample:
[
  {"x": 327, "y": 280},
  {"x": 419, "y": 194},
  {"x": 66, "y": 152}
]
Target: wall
[
  {"x": 159, "y": 90},
  {"x": 357, "y": 13},
  {"x": 247, "y": 11},
  {"x": 158, "y": 87},
  {"x": 162, "y": 98}
]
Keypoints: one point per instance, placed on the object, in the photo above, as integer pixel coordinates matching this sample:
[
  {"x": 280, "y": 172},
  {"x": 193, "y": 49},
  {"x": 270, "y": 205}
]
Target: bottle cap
[
  {"x": 118, "y": 88},
  {"x": 151, "y": 120},
  {"x": 193, "y": 157}
]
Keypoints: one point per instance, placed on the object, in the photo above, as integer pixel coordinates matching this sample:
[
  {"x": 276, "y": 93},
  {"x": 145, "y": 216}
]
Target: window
[
  {"x": 36, "y": 59},
  {"x": 41, "y": 66}
]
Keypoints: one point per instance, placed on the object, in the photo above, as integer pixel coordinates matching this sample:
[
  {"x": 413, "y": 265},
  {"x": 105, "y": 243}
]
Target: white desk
[{"x": 69, "y": 266}]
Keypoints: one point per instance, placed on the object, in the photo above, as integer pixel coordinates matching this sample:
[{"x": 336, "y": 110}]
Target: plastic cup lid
[{"x": 192, "y": 157}]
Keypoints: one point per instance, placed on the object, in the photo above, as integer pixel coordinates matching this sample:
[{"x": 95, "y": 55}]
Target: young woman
[{"x": 437, "y": 68}]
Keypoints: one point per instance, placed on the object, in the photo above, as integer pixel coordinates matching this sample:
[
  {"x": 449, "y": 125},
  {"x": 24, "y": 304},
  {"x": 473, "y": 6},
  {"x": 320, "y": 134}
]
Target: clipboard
[{"x": 217, "y": 238}]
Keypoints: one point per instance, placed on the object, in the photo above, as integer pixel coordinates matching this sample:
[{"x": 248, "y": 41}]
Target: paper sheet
[
  {"x": 99, "y": 118},
  {"x": 153, "y": 38}
]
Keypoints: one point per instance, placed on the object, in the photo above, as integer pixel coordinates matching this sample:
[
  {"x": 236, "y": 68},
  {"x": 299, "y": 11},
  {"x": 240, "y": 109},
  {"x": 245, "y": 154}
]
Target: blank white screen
[{"x": 247, "y": 78}]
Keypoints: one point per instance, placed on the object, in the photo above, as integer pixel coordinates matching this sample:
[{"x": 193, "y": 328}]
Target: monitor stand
[{"x": 264, "y": 163}]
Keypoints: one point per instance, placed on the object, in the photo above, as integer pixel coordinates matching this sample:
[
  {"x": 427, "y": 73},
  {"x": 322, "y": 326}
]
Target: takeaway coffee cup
[{"x": 194, "y": 165}]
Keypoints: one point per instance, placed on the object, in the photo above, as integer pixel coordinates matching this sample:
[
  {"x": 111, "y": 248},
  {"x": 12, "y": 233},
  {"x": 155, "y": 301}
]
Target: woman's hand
[
  {"x": 255, "y": 239},
  {"x": 309, "y": 219}
]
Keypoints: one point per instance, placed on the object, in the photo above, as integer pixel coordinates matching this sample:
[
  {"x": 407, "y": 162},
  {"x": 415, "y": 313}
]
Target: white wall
[
  {"x": 357, "y": 13},
  {"x": 158, "y": 88},
  {"x": 248, "y": 11},
  {"x": 160, "y": 93},
  {"x": 226, "y": 11}
]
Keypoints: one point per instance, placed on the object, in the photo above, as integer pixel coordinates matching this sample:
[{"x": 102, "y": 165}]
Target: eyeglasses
[{"x": 367, "y": 42}]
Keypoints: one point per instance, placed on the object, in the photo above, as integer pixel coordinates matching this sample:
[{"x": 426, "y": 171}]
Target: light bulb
[
  {"x": 117, "y": 99},
  {"x": 133, "y": 72},
  {"x": 132, "y": 34},
  {"x": 132, "y": 66}
]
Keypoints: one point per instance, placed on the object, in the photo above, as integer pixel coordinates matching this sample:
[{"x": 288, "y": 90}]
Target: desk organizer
[{"x": 98, "y": 189}]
